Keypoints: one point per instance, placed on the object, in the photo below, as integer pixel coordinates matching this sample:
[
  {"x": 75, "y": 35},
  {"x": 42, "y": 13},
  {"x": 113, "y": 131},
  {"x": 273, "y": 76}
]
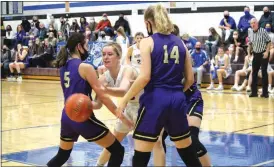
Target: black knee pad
[
  {"x": 117, "y": 154},
  {"x": 140, "y": 159},
  {"x": 199, "y": 147},
  {"x": 59, "y": 159}
]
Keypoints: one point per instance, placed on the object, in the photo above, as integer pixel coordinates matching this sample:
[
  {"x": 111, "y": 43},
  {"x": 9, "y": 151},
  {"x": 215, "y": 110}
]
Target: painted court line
[
  {"x": 32, "y": 104},
  {"x": 264, "y": 163}
]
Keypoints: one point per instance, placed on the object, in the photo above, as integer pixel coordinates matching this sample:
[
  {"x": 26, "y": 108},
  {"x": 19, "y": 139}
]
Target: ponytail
[
  {"x": 62, "y": 57},
  {"x": 122, "y": 32}
]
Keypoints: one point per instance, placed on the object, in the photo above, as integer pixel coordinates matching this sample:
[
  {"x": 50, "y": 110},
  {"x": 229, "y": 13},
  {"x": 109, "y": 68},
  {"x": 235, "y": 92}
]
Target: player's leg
[
  {"x": 238, "y": 74},
  {"x": 220, "y": 74},
  {"x": 159, "y": 156},
  {"x": 194, "y": 120}
]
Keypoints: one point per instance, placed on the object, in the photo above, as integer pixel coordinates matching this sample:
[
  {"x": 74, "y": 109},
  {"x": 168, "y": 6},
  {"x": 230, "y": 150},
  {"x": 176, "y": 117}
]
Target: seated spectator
[
  {"x": 103, "y": 37},
  {"x": 64, "y": 28},
  {"x": 75, "y": 26},
  {"x": 189, "y": 41},
  {"x": 244, "y": 23},
  {"x": 123, "y": 41},
  {"x": 61, "y": 37},
  {"x": 213, "y": 42},
  {"x": 25, "y": 24},
  {"x": 221, "y": 69},
  {"x": 9, "y": 40},
  {"x": 37, "y": 50},
  {"x": 53, "y": 30},
  {"x": 227, "y": 25},
  {"x": 83, "y": 24},
  {"x": 42, "y": 34},
  {"x": 36, "y": 21},
  {"x": 5, "y": 60},
  {"x": 237, "y": 45},
  {"x": 21, "y": 62},
  {"x": 92, "y": 24},
  {"x": 31, "y": 48},
  {"x": 43, "y": 59},
  {"x": 52, "y": 40},
  {"x": 88, "y": 34},
  {"x": 20, "y": 35},
  {"x": 33, "y": 32},
  {"x": 199, "y": 62},
  {"x": 271, "y": 35},
  {"x": 104, "y": 25},
  {"x": 245, "y": 72},
  {"x": 267, "y": 17},
  {"x": 53, "y": 23},
  {"x": 121, "y": 22}
]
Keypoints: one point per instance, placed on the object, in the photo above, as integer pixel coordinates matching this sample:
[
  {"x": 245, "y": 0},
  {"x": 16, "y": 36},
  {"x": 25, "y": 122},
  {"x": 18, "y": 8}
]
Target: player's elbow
[{"x": 146, "y": 79}]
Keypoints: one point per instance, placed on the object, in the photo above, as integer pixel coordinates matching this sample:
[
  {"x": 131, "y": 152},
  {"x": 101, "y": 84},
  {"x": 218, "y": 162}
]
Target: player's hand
[{"x": 120, "y": 114}]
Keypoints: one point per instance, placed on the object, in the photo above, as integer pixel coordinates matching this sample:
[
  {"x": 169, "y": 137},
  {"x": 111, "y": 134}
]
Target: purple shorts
[
  {"x": 195, "y": 105},
  {"x": 162, "y": 108},
  {"x": 91, "y": 130}
]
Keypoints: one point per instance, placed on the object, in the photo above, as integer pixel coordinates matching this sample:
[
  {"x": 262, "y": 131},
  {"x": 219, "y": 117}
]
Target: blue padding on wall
[{"x": 84, "y": 4}]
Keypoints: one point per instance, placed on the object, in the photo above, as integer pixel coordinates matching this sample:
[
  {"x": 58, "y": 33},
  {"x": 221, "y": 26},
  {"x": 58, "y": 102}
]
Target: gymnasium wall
[{"x": 192, "y": 17}]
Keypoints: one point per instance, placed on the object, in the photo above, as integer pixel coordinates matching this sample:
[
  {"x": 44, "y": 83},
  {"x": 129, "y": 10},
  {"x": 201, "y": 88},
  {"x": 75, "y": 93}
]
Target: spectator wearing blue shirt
[
  {"x": 189, "y": 41},
  {"x": 244, "y": 23},
  {"x": 227, "y": 25},
  {"x": 199, "y": 61}
]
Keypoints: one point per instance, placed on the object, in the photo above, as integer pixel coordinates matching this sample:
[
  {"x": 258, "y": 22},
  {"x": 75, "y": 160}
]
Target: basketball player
[
  {"x": 118, "y": 79},
  {"x": 162, "y": 105},
  {"x": 133, "y": 53},
  {"x": 78, "y": 77}
]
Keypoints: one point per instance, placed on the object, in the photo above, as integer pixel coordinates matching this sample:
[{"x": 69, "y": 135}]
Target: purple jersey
[
  {"x": 71, "y": 81},
  {"x": 167, "y": 62}
]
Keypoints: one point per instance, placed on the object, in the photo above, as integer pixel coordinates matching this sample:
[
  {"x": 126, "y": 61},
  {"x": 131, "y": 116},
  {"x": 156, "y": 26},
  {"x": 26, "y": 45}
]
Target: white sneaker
[
  {"x": 241, "y": 88},
  {"x": 260, "y": 90},
  {"x": 11, "y": 79},
  {"x": 211, "y": 87},
  {"x": 271, "y": 91},
  {"x": 248, "y": 89},
  {"x": 19, "y": 79},
  {"x": 219, "y": 88},
  {"x": 234, "y": 88}
]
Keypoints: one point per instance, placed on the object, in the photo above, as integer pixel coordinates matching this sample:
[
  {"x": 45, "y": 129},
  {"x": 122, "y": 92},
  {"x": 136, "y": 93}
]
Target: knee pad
[
  {"x": 59, "y": 159},
  {"x": 140, "y": 159},
  {"x": 199, "y": 147},
  {"x": 116, "y": 147},
  {"x": 117, "y": 154}
]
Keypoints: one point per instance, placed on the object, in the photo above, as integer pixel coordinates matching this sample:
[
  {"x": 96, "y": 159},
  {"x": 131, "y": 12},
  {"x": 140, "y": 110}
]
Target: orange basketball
[{"x": 78, "y": 107}]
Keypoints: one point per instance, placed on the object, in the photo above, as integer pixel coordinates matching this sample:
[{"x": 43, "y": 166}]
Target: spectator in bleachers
[
  {"x": 42, "y": 34},
  {"x": 103, "y": 37},
  {"x": 199, "y": 62},
  {"x": 35, "y": 52},
  {"x": 245, "y": 72},
  {"x": 227, "y": 25},
  {"x": 271, "y": 35},
  {"x": 21, "y": 62},
  {"x": 220, "y": 69},
  {"x": 75, "y": 26},
  {"x": 52, "y": 40},
  {"x": 33, "y": 32},
  {"x": 61, "y": 37},
  {"x": 83, "y": 24},
  {"x": 53, "y": 23},
  {"x": 43, "y": 59},
  {"x": 237, "y": 44},
  {"x": 244, "y": 23},
  {"x": 64, "y": 28},
  {"x": 9, "y": 40},
  {"x": 53, "y": 30},
  {"x": 123, "y": 41},
  {"x": 213, "y": 42},
  {"x": 88, "y": 34},
  {"x": 20, "y": 35},
  {"x": 189, "y": 41},
  {"x": 5, "y": 60},
  {"x": 92, "y": 24},
  {"x": 31, "y": 48},
  {"x": 26, "y": 24},
  {"x": 104, "y": 25},
  {"x": 36, "y": 22},
  {"x": 267, "y": 17},
  {"x": 121, "y": 22}
]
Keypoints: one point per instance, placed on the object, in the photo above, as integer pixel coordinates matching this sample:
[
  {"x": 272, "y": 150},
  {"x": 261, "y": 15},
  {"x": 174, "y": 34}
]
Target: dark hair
[
  {"x": 139, "y": 34},
  {"x": 72, "y": 42},
  {"x": 176, "y": 30}
]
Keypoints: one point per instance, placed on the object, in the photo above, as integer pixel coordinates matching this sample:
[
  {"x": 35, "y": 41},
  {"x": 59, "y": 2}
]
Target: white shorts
[{"x": 131, "y": 112}]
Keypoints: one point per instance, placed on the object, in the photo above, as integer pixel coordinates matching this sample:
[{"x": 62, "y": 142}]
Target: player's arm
[
  {"x": 188, "y": 73},
  {"x": 226, "y": 62},
  {"x": 97, "y": 104},
  {"x": 88, "y": 73},
  {"x": 129, "y": 53},
  {"x": 124, "y": 86},
  {"x": 144, "y": 76},
  {"x": 245, "y": 63}
]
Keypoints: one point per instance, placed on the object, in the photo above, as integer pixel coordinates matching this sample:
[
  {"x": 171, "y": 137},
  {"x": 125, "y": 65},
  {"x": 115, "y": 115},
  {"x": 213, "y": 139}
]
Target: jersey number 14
[{"x": 173, "y": 55}]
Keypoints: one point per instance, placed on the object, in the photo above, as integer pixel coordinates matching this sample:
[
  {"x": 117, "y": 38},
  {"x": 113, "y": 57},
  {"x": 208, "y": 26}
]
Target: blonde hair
[
  {"x": 122, "y": 32},
  {"x": 159, "y": 16},
  {"x": 116, "y": 47}
]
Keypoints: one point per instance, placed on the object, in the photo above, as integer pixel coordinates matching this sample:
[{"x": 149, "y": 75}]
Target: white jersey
[{"x": 135, "y": 57}]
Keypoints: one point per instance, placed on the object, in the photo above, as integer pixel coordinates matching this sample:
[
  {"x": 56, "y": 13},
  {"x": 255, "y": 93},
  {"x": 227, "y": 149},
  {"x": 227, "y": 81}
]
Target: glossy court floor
[{"x": 236, "y": 130}]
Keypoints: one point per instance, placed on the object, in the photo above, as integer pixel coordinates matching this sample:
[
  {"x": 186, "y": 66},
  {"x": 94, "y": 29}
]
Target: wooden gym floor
[{"x": 236, "y": 129}]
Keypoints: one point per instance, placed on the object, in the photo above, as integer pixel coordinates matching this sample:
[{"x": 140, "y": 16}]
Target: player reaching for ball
[{"x": 78, "y": 77}]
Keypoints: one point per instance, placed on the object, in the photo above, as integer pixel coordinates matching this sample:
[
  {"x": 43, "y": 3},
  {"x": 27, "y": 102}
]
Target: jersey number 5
[
  {"x": 173, "y": 55},
  {"x": 66, "y": 79}
]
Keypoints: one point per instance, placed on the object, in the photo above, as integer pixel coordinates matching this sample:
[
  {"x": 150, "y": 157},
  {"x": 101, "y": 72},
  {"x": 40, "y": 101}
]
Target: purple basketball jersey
[
  {"x": 71, "y": 81},
  {"x": 167, "y": 62}
]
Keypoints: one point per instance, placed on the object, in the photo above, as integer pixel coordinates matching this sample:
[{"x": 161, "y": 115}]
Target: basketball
[{"x": 78, "y": 107}]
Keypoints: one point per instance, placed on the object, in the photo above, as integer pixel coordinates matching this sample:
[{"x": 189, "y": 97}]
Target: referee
[{"x": 260, "y": 41}]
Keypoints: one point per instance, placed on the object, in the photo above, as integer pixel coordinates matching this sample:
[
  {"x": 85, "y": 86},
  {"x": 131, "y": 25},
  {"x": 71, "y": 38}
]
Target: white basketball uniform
[
  {"x": 131, "y": 111},
  {"x": 136, "y": 58}
]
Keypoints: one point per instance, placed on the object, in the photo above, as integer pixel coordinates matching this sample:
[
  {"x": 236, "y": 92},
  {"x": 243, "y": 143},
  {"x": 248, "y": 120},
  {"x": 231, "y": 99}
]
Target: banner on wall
[{"x": 94, "y": 50}]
